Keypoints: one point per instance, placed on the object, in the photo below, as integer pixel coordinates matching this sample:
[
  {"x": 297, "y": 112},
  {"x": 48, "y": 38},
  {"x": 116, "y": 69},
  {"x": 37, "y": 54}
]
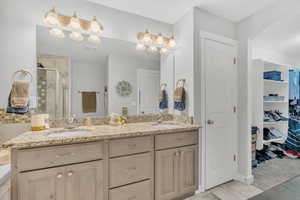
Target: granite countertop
[{"x": 41, "y": 138}]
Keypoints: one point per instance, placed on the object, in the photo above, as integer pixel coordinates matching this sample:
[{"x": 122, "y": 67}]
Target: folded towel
[
  {"x": 89, "y": 102},
  {"x": 14, "y": 110},
  {"x": 163, "y": 100},
  {"x": 179, "y": 95},
  {"x": 20, "y": 94},
  {"x": 179, "y": 99}
]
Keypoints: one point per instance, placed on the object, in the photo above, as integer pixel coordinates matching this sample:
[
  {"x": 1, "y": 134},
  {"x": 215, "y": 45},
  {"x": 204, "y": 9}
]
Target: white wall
[
  {"x": 188, "y": 55},
  {"x": 207, "y": 22},
  {"x": 122, "y": 68},
  {"x": 87, "y": 76},
  {"x": 184, "y": 58},
  {"x": 18, "y": 21}
]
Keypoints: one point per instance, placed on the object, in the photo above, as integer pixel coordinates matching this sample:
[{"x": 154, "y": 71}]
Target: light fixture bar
[
  {"x": 76, "y": 25},
  {"x": 155, "y": 43}
]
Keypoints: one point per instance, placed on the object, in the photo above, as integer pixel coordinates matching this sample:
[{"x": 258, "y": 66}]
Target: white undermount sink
[
  {"x": 166, "y": 125},
  {"x": 68, "y": 133}
]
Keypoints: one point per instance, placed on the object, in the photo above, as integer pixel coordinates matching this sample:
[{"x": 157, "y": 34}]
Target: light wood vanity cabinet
[
  {"x": 45, "y": 184},
  {"x": 75, "y": 182},
  {"x": 176, "y": 169},
  {"x": 161, "y": 167}
]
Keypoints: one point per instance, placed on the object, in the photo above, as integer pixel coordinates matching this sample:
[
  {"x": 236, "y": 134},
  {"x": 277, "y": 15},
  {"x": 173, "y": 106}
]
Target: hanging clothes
[
  {"x": 163, "y": 99},
  {"x": 294, "y": 87}
]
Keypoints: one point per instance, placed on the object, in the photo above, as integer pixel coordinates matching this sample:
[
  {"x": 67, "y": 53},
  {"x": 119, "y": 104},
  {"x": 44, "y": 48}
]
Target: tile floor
[
  {"x": 234, "y": 190},
  {"x": 275, "y": 172},
  {"x": 266, "y": 176}
]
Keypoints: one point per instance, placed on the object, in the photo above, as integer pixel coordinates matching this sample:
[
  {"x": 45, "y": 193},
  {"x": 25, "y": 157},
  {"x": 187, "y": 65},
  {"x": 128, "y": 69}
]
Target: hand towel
[
  {"x": 20, "y": 94},
  {"x": 179, "y": 95},
  {"x": 163, "y": 100},
  {"x": 179, "y": 99},
  {"x": 14, "y": 110},
  {"x": 89, "y": 102}
]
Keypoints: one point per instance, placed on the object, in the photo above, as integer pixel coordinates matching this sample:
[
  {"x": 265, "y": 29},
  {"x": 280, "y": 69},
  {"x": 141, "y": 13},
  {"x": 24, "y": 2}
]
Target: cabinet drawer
[
  {"x": 45, "y": 157},
  {"x": 137, "y": 191},
  {"x": 175, "y": 140},
  {"x": 130, "y": 146},
  {"x": 130, "y": 169}
]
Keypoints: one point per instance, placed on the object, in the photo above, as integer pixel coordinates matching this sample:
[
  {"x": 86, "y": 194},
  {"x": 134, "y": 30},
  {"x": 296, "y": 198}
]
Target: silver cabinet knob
[
  {"x": 59, "y": 176},
  {"x": 70, "y": 173},
  {"x": 210, "y": 122}
]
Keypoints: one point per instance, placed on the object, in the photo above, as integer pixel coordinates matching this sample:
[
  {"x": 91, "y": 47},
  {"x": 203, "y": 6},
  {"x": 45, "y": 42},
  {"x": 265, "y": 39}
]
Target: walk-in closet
[{"x": 275, "y": 97}]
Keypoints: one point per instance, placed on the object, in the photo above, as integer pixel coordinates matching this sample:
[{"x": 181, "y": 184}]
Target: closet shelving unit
[{"x": 261, "y": 88}]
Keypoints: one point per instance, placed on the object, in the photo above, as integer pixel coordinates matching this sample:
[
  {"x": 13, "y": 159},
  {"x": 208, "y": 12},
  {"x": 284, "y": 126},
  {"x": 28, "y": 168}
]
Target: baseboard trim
[
  {"x": 200, "y": 189},
  {"x": 244, "y": 179}
]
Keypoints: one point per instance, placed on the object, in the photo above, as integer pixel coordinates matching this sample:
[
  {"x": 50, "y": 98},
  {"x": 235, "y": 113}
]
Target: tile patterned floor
[
  {"x": 275, "y": 172},
  {"x": 266, "y": 176},
  {"x": 234, "y": 190}
]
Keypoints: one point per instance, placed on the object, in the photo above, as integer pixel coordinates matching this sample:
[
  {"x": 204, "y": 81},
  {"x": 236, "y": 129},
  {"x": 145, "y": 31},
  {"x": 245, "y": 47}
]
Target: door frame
[
  {"x": 221, "y": 39},
  {"x": 138, "y": 72}
]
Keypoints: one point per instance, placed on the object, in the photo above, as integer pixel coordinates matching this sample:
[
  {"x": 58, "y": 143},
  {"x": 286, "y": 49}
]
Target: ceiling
[
  {"x": 170, "y": 11},
  {"x": 282, "y": 37},
  {"x": 87, "y": 51}
]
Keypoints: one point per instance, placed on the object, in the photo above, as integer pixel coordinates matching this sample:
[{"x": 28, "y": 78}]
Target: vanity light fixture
[
  {"x": 79, "y": 27},
  {"x": 75, "y": 23},
  {"x": 152, "y": 49},
  {"x": 77, "y": 36},
  {"x": 147, "y": 38},
  {"x": 159, "y": 39},
  {"x": 95, "y": 27},
  {"x": 94, "y": 38},
  {"x": 153, "y": 43},
  {"x": 172, "y": 42},
  {"x": 164, "y": 51},
  {"x": 56, "y": 32},
  {"x": 140, "y": 46},
  {"x": 51, "y": 18}
]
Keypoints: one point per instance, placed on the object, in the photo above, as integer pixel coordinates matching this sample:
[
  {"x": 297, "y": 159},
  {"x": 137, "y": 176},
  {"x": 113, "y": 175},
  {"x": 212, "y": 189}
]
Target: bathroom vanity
[{"x": 138, "y": 161}]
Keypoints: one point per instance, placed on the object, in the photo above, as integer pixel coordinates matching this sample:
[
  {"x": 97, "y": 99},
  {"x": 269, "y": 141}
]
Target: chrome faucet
[
  {"x": 69, "y": 122},
  {"x": 160, "y": 118}
]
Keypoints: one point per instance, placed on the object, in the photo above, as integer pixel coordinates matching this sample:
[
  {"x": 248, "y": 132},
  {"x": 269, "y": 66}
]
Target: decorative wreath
[{"x": 124, "y": 88}]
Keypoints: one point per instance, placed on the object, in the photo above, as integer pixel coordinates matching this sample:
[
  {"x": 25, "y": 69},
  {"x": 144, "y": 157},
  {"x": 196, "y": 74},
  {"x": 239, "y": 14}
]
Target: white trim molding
[{"x": 218, "y": 38}]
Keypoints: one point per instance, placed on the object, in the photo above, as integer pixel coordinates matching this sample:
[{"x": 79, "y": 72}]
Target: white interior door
[
  {"x": 148, "y": 91},
  {"x": 219, "y": 61}
]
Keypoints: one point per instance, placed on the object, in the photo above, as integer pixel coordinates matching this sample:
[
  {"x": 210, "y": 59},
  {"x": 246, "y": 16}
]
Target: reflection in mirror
[{"x": 89, "y": 80}]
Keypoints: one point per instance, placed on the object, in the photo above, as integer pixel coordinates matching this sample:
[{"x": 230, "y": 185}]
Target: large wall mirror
[{"x": 87, "y": 79}]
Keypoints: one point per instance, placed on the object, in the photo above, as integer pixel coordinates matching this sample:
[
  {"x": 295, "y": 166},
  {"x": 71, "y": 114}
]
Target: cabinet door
[
  {"x": 166, "y": 174},
  {"x": 84, "y": 181},
  {"x": 45, "y": 184},
  {"x": 188, "y": 181}
]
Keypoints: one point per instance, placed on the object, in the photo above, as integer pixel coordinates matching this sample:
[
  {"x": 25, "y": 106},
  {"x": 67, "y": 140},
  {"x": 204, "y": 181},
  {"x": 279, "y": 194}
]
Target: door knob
[
  {"x": 210, "y": 122},
  {"x": 70, "y": 173},
  {"x": 59, "y": 176}
]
